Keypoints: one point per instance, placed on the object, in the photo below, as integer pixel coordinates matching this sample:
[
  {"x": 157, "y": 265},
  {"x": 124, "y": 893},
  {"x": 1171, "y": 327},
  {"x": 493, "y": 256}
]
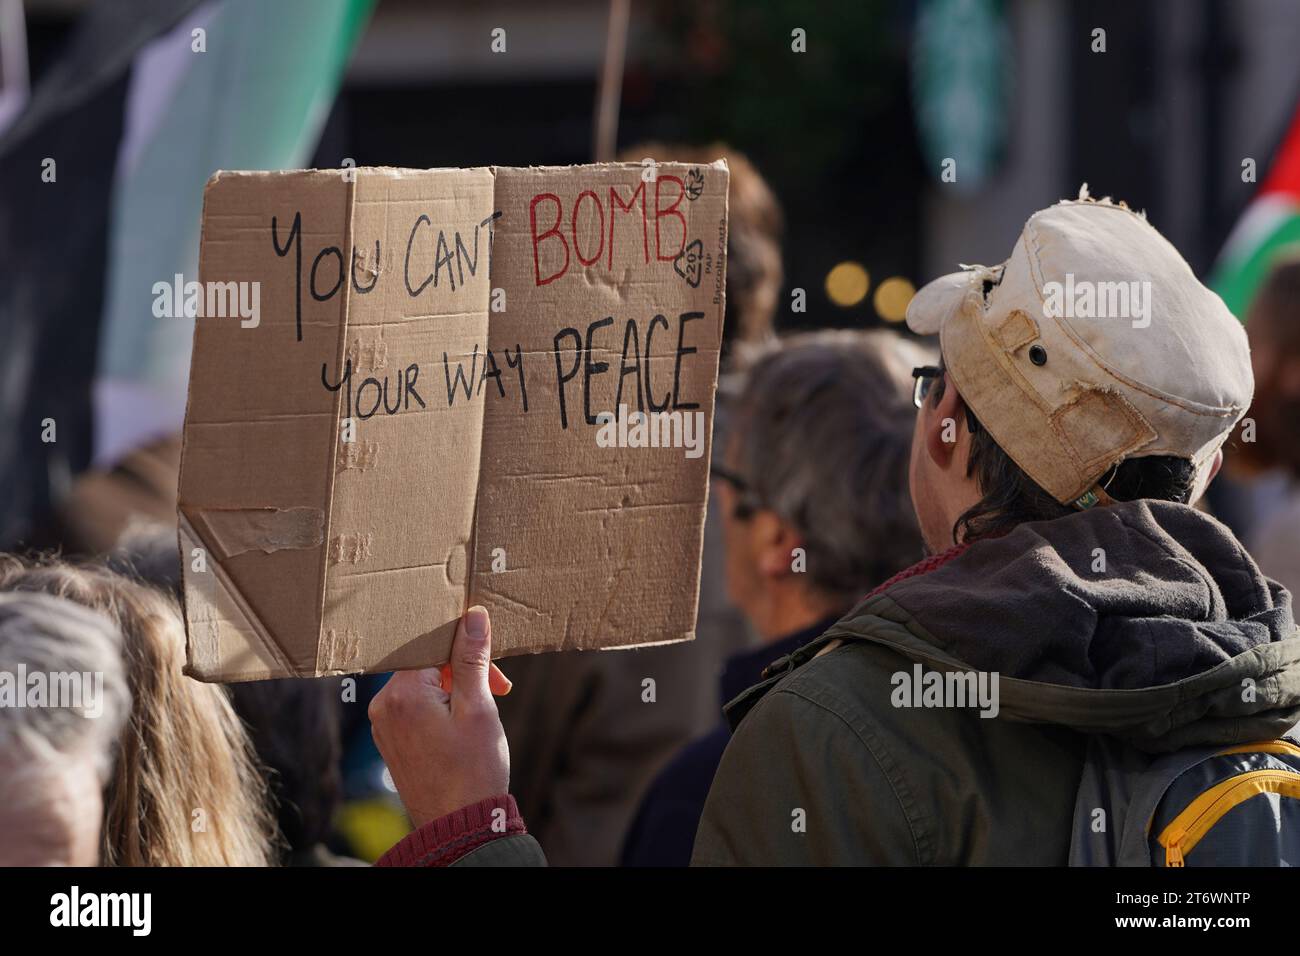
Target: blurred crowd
[{"x": 813, "y": 437}]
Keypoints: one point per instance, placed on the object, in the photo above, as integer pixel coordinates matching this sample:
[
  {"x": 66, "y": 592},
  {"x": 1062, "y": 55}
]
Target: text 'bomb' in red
[{"x": 554, "y": 251}]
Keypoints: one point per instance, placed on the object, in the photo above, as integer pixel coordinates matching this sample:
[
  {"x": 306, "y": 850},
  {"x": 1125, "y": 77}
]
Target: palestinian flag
[
  {"x": 1270, "y": 223},
  {"x": 106, "y": 168}
]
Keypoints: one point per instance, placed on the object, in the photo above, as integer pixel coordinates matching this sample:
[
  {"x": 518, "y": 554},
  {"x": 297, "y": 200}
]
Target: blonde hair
[{"x": 184, "y": 758}]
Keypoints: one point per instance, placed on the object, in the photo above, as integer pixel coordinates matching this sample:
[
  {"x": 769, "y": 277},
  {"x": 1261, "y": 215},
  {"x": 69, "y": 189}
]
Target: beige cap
[{"x": 1093, "y": 343}]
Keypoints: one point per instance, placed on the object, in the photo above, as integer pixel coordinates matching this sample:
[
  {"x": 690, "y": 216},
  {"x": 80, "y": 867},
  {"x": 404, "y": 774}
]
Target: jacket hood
[{"x": 1144, "y": 620}]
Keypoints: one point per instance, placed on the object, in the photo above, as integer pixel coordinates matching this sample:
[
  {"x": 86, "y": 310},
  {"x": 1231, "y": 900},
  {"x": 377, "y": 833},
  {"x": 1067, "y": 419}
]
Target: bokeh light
[
  {"x": 847, "y": 284},
  {"x": 892, "y": 297}
]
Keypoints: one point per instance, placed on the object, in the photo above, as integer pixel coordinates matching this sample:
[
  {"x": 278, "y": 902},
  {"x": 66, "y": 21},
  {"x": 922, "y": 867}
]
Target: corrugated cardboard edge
[
  {"x": 203, "y": 659},
  {"x": 184, "y": 542},
  {"x": 322, "y": 668},
  {"x": 472, "y": 548},
  {"x": 720, "y": 163},
  {"x": 218, "y": 612},
  {"x": 689, "y": 635},
  {"x": 223, "y": 613}
]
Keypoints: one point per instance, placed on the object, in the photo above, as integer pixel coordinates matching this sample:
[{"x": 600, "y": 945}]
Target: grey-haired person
[
  {"x": 63, "y": 703},
  {"x": 815, "y": 513}
]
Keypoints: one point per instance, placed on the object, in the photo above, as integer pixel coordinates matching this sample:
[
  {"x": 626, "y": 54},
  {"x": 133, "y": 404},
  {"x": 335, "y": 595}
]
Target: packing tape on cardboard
[{"x": 265, "y": 529}]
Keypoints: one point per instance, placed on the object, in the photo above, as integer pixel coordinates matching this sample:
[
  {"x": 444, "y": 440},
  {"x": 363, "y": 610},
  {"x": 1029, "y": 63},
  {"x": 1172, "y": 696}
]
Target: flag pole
[
  {"x": 14, "y": 79},
  {"x": 609, "y": 88}
]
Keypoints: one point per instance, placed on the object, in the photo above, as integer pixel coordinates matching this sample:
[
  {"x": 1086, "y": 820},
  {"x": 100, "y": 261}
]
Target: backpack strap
[
  {"x": 736, "y": 709},
  {"x": 1204, "y": 796},
  {"x": 1126, "y": 785}
]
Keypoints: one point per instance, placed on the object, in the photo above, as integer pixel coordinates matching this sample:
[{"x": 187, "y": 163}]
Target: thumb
[{"x": 471, "y": 655}]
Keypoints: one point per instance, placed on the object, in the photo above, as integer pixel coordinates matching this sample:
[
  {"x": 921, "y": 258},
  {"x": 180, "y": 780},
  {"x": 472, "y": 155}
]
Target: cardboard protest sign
[{"x": 416, "y": 390}]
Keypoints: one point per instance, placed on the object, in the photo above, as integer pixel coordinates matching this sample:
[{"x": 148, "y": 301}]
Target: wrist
[{"x": 444, "y": 840}]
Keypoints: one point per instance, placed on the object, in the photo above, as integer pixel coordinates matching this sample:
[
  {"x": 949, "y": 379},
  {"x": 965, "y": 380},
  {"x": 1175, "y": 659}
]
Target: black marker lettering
[
  {"x": 373, "y": 408},
  {"x": 561, "y": 378},
  {"x": 406, "y": 267},
  {"x": 490, "y": 360},
  {"x": 397, "y": 404},
  {"x": 624, "y": 370},
  {"x": 356, "y": 285},
  {"x": 442, "y": 257},
  {"x": 328, "y": 250},
  {"x": 461, "y": 379},
  {"x": 519, "y": 364},
  {"x": 295, "y": 232},
  {"x": 462, "y": 254},
  {"x": 592, "y": 368},
  {"x": 649, "y": 395},
  {"x": 677, "y": 363},
  {"x": 412, "y": 373},
  {"x": 491, "y": 235},
  {"x": 347, "y": 376}
]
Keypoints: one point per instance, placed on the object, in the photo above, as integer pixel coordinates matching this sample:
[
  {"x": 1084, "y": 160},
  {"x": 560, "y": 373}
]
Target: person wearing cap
[{"x": 1085, "y": 389}]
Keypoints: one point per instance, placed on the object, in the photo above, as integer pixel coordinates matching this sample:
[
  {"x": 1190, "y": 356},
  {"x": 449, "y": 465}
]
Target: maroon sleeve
[{"x": 443, "y": 841}]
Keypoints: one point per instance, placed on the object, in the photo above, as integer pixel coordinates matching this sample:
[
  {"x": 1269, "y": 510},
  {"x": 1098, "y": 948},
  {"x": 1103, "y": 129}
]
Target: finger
[
  {"x": 499, "y": 683},
  {"x": 404, "y": 691},
  {"x": 471, "y": 657}
]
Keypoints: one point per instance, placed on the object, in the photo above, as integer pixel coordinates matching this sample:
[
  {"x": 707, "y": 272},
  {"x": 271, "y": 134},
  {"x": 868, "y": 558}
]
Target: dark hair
[
  {"x": 1011, "y": 497},
  {"x": 294, "y": 725},
  {"x": 1272, "y": 313},
  {"x": 1274, "y": 332}
]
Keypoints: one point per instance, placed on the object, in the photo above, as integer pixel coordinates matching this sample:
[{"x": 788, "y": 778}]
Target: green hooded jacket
[{"x": 1145, "y": 621}]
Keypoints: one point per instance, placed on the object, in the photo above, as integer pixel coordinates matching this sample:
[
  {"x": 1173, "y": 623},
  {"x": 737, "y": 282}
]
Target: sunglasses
[{"x": 925, "y": 377}]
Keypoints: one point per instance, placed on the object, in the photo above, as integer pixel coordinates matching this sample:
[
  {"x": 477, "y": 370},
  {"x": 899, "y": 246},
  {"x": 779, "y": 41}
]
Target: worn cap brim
[{"x": 937, "y": 300}]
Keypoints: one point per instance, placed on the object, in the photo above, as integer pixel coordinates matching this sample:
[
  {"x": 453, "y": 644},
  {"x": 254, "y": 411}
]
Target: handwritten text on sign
[{"x": 433, "y": 257}]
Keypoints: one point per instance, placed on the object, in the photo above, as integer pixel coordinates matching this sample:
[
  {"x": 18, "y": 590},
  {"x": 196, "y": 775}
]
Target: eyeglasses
[
  {"x": 925, "y": 377},
  {"x": 743, "y": 508},
  {"x": 730, "y": 477}
]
